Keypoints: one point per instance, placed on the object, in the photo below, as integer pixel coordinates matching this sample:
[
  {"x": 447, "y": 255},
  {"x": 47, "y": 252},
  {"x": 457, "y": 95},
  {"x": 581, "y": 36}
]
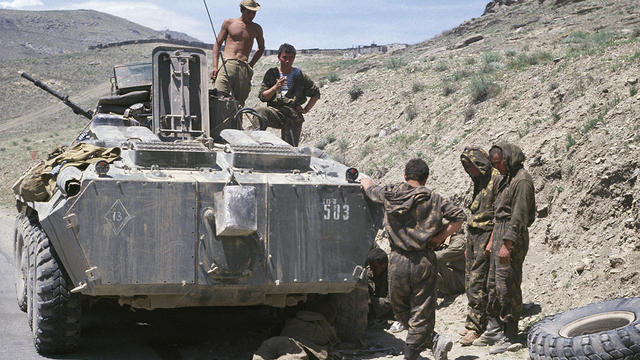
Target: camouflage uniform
[
  {"x": 281, "y": 112},
  {"x": 451, "y": 266},
  {"x": 485, "y": 190},
  {"x": 412, "y": 216},
  {"x": 515, "y": 211},
  {"x": 236, "y": 79}
]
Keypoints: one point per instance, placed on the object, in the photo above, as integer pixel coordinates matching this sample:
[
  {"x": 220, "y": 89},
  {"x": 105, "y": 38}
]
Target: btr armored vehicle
[{"x": 144, "y": 206}]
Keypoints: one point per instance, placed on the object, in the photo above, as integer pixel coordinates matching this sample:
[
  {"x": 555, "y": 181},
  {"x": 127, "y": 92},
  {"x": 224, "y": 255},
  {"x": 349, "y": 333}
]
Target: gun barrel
[{"x": 65, "y": 99}]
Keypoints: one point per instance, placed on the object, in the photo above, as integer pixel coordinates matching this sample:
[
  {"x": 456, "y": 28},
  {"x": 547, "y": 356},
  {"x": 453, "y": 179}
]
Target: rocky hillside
[
  {"x": 558, "y": 78},
  {"x": 43, "y": 33}
]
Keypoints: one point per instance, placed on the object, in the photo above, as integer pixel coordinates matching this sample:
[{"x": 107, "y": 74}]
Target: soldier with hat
[{"x": 233, "y": 77}]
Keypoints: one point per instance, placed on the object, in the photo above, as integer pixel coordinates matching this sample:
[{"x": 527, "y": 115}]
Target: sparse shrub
[
  {"x": 570, "y": 170},
  {"x": 469, "y": 112},
  {"x": 404, "y": 140},
  {"x": 322, "y": 83},
  {"x": 490, "y": 62},
  {"x": 470, "y": 61},
  {"x": 461, "y": 74},
  {"x": 333, "y": 77},
  {"x": 448, "y": 88},
  {"x": 14, "y": 143},
  {"x": 367, "y": 149},
  {"x": 482, "y": 88},
  {"x": 635, "y": 57},
  {"x": 28, "y": 147},
  {"x": 570, "y": 142},
  {"x": 554, "y": 85},
  {"x": 355, "y": 92},
  {"x": 504, "y": 103},
  {"x": 523, "y": 61},
  {"x": 417, "y": 86},
  {"x": 321, "y": 144},
  {"x": 635, "y": 34},
  {"x": 341, "y": 148},
  {"x": 411, "y": 112},
  {"x": 440, "y": 67},
  {"x": 556, "y": 117},
  {"x": 510, "y": 53},
  {"x": 25, "y": 140},
  {"x": 394, "y": 63},
  {"x": 633, "y": 90}
]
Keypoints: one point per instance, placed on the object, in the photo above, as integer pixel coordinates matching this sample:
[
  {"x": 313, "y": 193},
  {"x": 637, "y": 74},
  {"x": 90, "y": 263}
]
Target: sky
[{"x": 304, "y": 23}]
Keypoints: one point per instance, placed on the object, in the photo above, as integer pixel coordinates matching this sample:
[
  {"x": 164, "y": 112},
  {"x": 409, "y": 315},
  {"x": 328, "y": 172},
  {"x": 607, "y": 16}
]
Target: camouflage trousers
[
  {"x": 286, "y": 118},
  {"x": 412, "y": 290},
  {"x": 476, "y": 273},
  {"x": 505, "y": 280},
  {"x": 236, "y": 79}
]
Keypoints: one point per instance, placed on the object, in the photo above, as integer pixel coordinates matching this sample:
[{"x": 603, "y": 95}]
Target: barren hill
[{"x": 42, "y": 33}]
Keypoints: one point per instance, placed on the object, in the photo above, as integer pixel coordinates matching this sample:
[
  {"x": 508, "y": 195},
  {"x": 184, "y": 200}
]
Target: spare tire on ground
[{"x": 604, "y": 331}]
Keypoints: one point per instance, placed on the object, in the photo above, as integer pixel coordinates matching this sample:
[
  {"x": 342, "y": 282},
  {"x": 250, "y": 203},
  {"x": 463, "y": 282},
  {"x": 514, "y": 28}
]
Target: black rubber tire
[
  {"x": 603, "y": 331},
  {"x": 56, "y": 312},
  {"x": 31, "y": 276},
  {"x": 20, "y": 259},
  {"x": 351, "y": 314}
]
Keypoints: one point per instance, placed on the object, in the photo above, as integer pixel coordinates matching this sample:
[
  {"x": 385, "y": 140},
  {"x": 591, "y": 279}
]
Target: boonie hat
[{"x": 250, "y": 5}]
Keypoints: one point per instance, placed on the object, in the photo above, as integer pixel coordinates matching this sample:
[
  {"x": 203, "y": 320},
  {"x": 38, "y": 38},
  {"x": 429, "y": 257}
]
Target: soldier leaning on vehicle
[{"x": 414, "y": 220}]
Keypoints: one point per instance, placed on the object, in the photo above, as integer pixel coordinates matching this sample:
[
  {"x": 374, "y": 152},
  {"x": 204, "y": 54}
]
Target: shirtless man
[{"x": 237, "y": 35}]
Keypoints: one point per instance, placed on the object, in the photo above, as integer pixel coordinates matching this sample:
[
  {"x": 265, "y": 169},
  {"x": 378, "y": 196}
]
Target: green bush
[
  {"x": 355, "y": 92},
  {"x": 441, "y": 67},
  {"x": 321, "y": 144},
  {"x": 482, "y": 88},
  {"x": 411, "y": 112},
  {"x": 510, "y": 53},
  {"x": 333, "y": 77},
  {"x": 470, "y": 61},
  {"x": 461, "y": 74},
  {"x": 448, "y": 88},
  {"x": 469, "y": 112},
  {"x": 523, "y": 61},
  {"x": 417, "y": 86},
  {"x": 633, "y": 90},
  {"x": 395, "y": 63},
  {"x": 570, "y": 142}
]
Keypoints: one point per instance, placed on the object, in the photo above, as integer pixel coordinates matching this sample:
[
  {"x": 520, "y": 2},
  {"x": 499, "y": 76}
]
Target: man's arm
[
  {"x": 269, "y": 93},
  {"x": 373, "y": 192},
  {"x": 456, "y": 217},
  {"x": 222, "y": 35},
  {"x": 260, "y": 40},
  {"x": 309, "y": 105}
]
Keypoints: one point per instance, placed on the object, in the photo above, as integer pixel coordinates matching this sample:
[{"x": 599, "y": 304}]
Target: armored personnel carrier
[{"x": 158, "y": 215}]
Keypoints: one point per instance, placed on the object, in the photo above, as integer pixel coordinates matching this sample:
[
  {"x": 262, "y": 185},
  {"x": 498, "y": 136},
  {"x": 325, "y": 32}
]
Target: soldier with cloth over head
[
  {"x": 515, "y": 210},
  {"x": 486, "y": 179},
  {"x": 414, "y": 220}
]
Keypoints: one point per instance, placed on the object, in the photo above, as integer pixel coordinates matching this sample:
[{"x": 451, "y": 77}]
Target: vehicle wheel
[
  {"x": 20, "y": 259},
  {"x": 606, "y": 330},
  {"x": 351, "y": 314},
  {"x": 31, "y": 276},
  {"x": 56, "y": 312}
]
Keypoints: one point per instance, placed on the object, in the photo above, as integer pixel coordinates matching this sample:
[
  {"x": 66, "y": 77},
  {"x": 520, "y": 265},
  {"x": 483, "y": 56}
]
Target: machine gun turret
[{"x": 65, "y": 99}]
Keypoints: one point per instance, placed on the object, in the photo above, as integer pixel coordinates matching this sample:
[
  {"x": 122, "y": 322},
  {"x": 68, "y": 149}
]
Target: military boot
[
  {"x": 441, "y": 346},
  {"x": 492, "y": 334},
  {"x": 510, "y": 341},
  {"x": 410, "y": 353}
]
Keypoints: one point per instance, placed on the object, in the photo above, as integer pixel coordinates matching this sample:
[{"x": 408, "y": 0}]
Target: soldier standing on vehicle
[
  {"x": 414, "y": 220},
  {"x": 285, "y": 89},
  {"x": 515, "y": 210},
  {"x": 233, "y": 77},
  {"x": 486, "y": 179}
]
